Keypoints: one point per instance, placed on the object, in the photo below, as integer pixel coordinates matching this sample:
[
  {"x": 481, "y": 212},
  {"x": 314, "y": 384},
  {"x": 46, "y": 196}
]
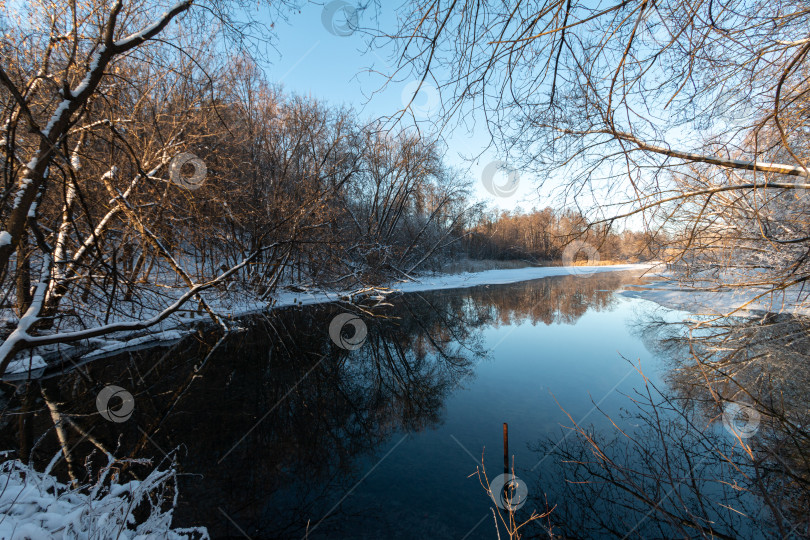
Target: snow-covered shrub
[{"x": 34, "y": 505}]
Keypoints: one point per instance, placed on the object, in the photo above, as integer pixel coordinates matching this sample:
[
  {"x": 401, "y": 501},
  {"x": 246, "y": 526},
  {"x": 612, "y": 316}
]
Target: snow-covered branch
[{"x": 21, "y": 338}]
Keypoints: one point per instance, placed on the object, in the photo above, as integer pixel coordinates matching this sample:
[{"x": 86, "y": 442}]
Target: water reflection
[
  {"x": 274, "y": 425},
  {"x": 677, "y": 467}
]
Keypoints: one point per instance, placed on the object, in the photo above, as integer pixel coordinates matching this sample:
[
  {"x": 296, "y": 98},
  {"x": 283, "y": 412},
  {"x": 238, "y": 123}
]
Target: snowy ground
[
  {"x": 671, "y": 294},
  {"x": 500, "y": 277}
]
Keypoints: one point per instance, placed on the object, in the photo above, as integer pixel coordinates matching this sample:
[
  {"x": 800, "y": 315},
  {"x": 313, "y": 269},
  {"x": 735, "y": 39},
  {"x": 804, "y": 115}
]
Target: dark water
[{"x": 277, "y": 429}]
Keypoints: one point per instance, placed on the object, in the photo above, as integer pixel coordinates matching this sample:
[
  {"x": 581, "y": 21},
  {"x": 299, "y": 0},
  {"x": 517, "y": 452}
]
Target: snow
[
  {"x": 459, "y": 281},
  {"x": 502, "y": 277},
  {"x": 110, "y": 174},
  {"x": 111, "y": 345},
  {"x": 141, "y": 35},
  {"x": 31, "y": 315},
  {"x": 57, "y": 114},
  {"x": 24, "y": 182},
  {"x": 35, "y": 505},
  {"x": 670, "y": 294},
  {"x": 23, "y": 365},
  {"x": 231, "y": 304},
  {"x": 152, "y": 28}
]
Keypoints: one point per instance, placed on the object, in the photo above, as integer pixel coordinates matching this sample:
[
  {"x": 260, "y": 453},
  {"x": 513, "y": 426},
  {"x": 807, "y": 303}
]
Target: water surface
[{"x": 277, "y": 429}]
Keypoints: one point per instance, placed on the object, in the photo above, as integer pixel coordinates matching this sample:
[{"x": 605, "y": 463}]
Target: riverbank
[
  {"x": 671, "y": 294},
  {"x": 235, "y": 305},
  {"x": 435, "y": 282}
]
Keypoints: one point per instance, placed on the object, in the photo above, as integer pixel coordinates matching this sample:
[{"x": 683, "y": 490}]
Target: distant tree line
[{"x": 542, "y": 236}]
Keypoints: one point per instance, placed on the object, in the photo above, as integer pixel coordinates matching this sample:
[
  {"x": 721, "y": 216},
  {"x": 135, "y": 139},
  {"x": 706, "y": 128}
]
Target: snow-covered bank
[
  {"x": 503, "y": 277},
  {"x": 437, "y": 282},
  {"x": 673, "y": 295}
]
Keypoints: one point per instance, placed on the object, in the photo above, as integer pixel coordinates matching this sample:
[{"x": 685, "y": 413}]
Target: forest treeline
[{"x": 541, "y": 236}]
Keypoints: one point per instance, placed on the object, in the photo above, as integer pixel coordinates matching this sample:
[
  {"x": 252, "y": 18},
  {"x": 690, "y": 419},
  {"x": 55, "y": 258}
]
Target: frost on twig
[{"x": 36, "y": 505}]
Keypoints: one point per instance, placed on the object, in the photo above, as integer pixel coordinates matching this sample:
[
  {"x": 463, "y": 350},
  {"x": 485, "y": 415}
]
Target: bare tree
[
  {"x": 94, "y": 108},
  {"x": 678, "y": 112}
]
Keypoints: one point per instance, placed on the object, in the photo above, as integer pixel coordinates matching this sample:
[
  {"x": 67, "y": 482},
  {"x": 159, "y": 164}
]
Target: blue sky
[{"x": 312, "y": 61}]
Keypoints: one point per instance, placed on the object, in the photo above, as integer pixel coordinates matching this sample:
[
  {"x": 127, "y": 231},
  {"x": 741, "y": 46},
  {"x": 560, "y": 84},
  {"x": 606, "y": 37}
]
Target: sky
[{"x": 319, "y": 55}]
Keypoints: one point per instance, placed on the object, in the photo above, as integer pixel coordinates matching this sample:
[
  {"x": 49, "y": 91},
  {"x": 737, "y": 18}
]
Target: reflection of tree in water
[
  {"x": 561, "y": 299},
  {"x": 680, "y": 473},
  {"x": 312, "y": 415},
  {"x": 325, "y": 408}
]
